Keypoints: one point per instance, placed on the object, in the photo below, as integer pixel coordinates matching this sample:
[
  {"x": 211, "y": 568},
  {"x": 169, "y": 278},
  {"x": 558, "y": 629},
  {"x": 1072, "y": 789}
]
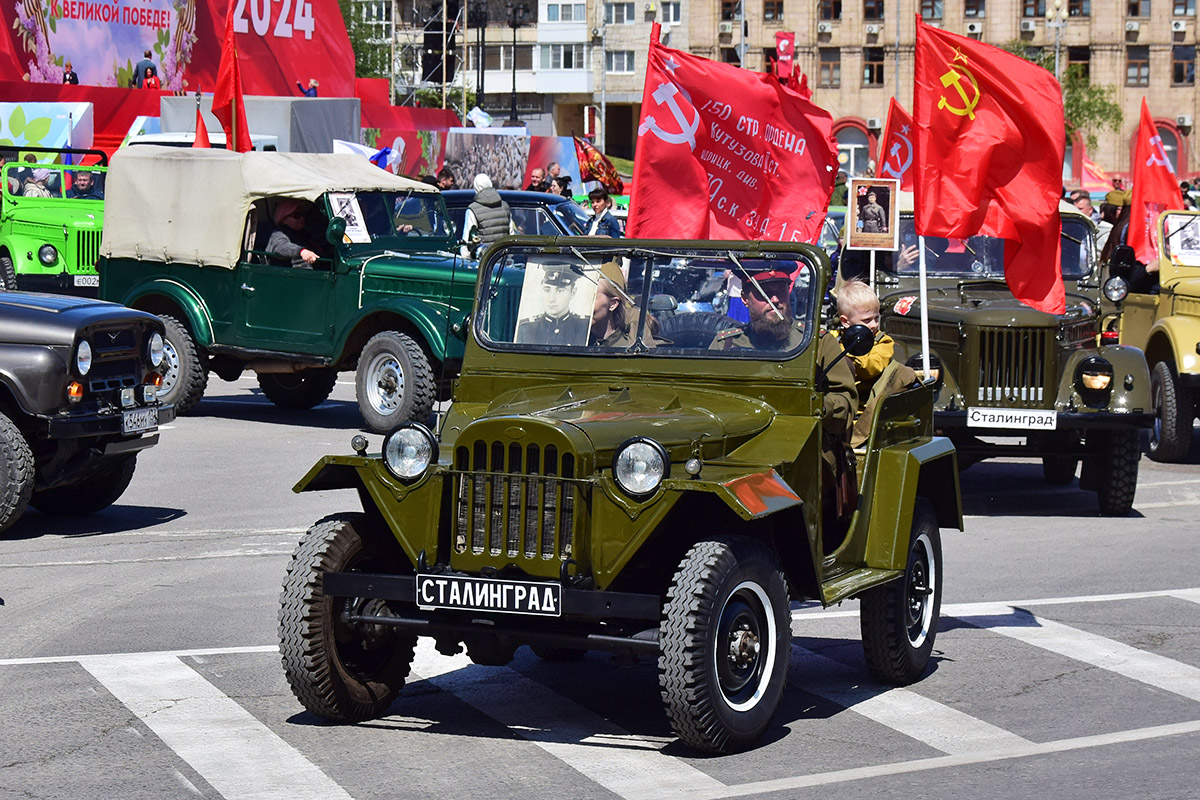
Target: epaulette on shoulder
[{"x": 728, "y": 333}]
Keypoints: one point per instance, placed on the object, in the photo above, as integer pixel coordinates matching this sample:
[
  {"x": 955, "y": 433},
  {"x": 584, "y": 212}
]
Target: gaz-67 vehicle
[
  {"x": 613, "y": 475},
  {"x": 51, "y": 217},
  {"x": 1014, "y": 381},
  {"x": 77, "y": 401},
  {"x": 1164, "y": 320},
  {"x": 186, "y": 237}
]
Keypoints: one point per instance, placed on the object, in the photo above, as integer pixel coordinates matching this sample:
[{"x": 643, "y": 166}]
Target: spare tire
[{"x": 695, "y": 331}]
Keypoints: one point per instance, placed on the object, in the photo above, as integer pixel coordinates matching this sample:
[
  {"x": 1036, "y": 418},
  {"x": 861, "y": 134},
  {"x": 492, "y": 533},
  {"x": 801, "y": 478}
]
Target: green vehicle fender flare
[
  {"x": 1125, "y": 360},
  {"x": 428, "y": 319},
  {"x": 1180, "y": 334},
  {"x": 188, "y": 302}
]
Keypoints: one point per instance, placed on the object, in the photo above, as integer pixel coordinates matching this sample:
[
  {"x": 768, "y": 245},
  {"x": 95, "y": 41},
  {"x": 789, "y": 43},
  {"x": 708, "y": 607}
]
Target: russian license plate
[
  {"x": 139, "y": 420},
  {"x": 1018, "y": 418},
  {"x": 487, "y": 594},
  {"x": 87, "y": 280}
]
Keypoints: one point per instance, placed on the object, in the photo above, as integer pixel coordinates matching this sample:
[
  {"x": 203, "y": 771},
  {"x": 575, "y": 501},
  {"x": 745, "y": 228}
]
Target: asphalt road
[{"x": 138, "y": 656}]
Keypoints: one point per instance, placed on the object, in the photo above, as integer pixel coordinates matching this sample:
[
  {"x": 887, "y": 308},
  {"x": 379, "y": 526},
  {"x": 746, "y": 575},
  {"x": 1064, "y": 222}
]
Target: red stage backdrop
[{"x": 280, "y": 43}]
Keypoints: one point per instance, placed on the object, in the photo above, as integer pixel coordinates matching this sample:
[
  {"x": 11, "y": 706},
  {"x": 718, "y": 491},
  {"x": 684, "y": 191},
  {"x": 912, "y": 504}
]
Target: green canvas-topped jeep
[
  {"x": 1014, "y": 381},
  {"x": 663, "y": 484},
  {"x": 187, "y": 237}
]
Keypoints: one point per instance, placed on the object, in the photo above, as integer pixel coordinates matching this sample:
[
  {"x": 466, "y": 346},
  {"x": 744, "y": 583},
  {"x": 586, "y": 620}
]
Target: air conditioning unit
[
  {"x": 649, "y": 6},
  {"x": 873, "y": 30},
  {"x": 1028, "y": 26},
  {"x": 824, "y": 27},
  {"x": 1184, "y": 120},
  {"x": 724, "y": 27},
  {"x": 1179, "y": 26},
  {"x": 1132, "y": 26},
  {"x": 874, "y": 123},
  {"x": 974, "y": 27}
]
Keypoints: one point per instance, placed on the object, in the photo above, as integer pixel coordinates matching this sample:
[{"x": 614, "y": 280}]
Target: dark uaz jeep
[{"x": 663, "y": 492}]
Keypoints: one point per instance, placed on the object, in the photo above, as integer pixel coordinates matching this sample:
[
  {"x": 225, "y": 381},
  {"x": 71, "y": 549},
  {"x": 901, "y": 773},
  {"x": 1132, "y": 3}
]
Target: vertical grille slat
[{"x": 1012, "y": 367}]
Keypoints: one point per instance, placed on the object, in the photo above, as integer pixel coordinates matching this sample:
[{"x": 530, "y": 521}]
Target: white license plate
[
  {"x": 87, "y": 280},
  {"x": 139, "y": 420},
  {"x": 1015, "y": 418},
  {"x": 486, "y": 594}
]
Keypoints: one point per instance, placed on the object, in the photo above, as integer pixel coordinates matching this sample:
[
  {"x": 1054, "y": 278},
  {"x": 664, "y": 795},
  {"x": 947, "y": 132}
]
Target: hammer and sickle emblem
[
  {"x": 952, "y": 76},
  {"x": 665, "y": 93},
  {"x": 1159, "y": 156},
  {"x": 902, "y": 165}
]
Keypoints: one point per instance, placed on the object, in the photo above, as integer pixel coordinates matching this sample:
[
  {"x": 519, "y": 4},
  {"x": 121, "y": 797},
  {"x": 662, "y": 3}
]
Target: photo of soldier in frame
[{"x": 873, "y": 214}]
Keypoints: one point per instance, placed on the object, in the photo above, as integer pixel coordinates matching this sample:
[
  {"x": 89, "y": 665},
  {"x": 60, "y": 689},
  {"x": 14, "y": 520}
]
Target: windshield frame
[{"x": 433, "y": 206}]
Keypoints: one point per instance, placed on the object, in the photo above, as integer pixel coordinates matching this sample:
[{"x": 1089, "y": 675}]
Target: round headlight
[
  {"x": 1094, "y": 376},
  {"x": 409, "y": 450},
  {"x": 640, "y": 465},
  {"x": 47, "y": 254},
  {"x": 156, "y": 349},
  {"x": 83, "y": 357},
  {"x": 1115, "y": 289}
]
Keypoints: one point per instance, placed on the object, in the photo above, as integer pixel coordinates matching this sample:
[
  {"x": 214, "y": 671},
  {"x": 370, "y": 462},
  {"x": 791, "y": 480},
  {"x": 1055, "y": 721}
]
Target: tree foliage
[
  {"x": 431, "y": 97},
  {"x": 372, "y": 57}
]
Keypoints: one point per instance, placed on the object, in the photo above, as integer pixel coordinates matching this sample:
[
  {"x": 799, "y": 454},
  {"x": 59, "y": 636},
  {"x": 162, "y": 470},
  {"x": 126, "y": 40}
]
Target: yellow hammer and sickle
[{"x": 952, "y": 76}]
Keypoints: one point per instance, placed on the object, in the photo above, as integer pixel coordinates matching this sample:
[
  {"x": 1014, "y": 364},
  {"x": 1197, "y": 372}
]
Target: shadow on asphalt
[
  {"x": 1013, "y": 489},
  {"x": 252, "y": 406},
  {"x": 114, "y": 519}
]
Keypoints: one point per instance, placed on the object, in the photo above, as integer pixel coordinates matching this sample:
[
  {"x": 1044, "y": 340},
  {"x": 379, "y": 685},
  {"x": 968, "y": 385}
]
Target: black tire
[
  {"x": 899, "y": 620},
  {"x": 394, "y": 382},
  {"x": 1118, "y": 472},
  {"x": 16, "y": 473},
  {"x": 8, "y": 273},
  {"x": 693, "y": 330},
  {"x": 298, "y": 389},
  {"x": 1059, "y": 470},
  {"x": 1171, "y": 436},
  {"x": 727, "y": 592},
  {"x": 87, "y": 496},
  {"x": 341, "y": 671},
  {"x": 550, "y": 653},
  {"x": 185, "y": 375}
]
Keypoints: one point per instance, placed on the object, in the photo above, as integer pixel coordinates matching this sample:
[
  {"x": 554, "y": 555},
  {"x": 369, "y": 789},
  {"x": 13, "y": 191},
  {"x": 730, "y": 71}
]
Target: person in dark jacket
[
  {"x": 69, "y": 75},
  {"x": 603, "y": 223},
  {"x": 287, "y": 240},
  {"x": 488, "y": 217}
]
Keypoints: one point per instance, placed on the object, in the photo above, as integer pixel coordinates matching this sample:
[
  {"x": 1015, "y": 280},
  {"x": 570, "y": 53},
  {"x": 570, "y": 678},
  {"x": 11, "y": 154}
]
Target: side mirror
[
  {"x": 857, "y": 340},
  {"x": 663, "y": 302},
  {"x": 1121, "y": 264},
  {"x": 335, "y": 231}
]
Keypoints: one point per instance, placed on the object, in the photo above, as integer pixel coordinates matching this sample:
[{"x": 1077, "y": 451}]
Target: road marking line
[
  {"x": 1143, "y": 484},
  {"x": 1191, "y": 595},
  {"x": 917, "y": 717},
  {"x": 197, "y": 653},
  {"x": 1172, "y": 504},
  {"x": 627, "y": 765},
  {"x": 235, "y": 753},
  {"x": 259, "y": 551}
]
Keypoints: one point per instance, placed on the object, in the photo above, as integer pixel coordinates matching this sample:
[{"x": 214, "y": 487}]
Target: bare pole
[
  {"x": 462, "y": 69},
  {"x": 392, "y": 70},
  {"x": 445, "y": 14}
]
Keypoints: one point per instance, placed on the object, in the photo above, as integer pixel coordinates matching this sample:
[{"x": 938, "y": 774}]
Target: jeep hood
[{"x": 985, "y": 303}]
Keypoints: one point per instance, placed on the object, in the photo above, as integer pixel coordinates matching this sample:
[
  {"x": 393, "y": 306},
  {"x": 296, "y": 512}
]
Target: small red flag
[
  {"x": 785, "y": 48},
  {"x": 725, "y": 153},
  {"x": 595, "y": 166},
  {"x": 1155, "y": 189},
  {"x": 989, "y": 156},
  {"x": 896, "y": 147},
  {"x": 227, "y": 104},
  {"x": 201, "y": 139}
]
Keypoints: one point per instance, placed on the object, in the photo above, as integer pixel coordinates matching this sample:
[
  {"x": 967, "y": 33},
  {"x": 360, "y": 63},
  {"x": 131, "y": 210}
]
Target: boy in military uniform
[{"x": 556, "y": 324}]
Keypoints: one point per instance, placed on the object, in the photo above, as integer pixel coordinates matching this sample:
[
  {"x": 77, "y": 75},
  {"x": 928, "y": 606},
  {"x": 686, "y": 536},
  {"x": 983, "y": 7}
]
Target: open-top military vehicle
[
  {"x": 186, "y": 238},
  {"x": 1015, "y": 381},
  {"x": 663, "y": 492}
]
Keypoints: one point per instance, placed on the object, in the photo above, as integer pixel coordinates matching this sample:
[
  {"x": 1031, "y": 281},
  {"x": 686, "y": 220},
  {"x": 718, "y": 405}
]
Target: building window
[
  {"x": 1170, "y": 145},
  {"x": 1183, "y": 65},
  {"x": 931, "y": 9},
  {"x": 831, "y": 9},
  {"x": 1079, "y": 61},
  {"x": 563, "y": 56},
  {"x": 566, "y": 12},
  {"x": 1033, "y": 8},
  {"x": 974, "y": 9},
  {"x": 773, "y": 10},
  {"x": 672, "y": 12},
  {"x": 1139, "y": 8},
  {"x": 872, "y": 9},
  {"x": 1184, "y": 8},
  {"x": 830, "y": 76},
  {"x": 620, "y": 61},
  {"x": 730, "y": 55},
  {"x": 872, "y": 66},
  {"x": 853, "y": 152},
  {"x": 1079, "y": 8},
  {"x": 500, "y": 57},
  {"x": 730, "y": 10},
  {"x": 619, "y": 13},
  {"x": 1137, "y": 66}
]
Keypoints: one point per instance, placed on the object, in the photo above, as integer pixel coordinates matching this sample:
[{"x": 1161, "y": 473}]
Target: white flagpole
[{"x": 924, "y": 312}]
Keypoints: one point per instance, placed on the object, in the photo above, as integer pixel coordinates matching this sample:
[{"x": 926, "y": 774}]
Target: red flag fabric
[
  {"x": 725, "y": 153},
  {"x": 227, "y": 104},
  {"x": 785, "y": 48},
  {"x": 201, "y": 139},
  {"x": 1155, "y": 189},
  {"x": 595, "y": 166},
  {"x": 896, "y": 147},
  {"x": 798, "y": 83},
  {"x": 1094, "y": 178},
  {"x": 989, "y": 156}
]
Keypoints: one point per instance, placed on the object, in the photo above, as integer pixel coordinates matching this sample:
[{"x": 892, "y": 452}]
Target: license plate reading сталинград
[
  {"x": 139, "y": 420},
  {"x": 487, "y": 594}
]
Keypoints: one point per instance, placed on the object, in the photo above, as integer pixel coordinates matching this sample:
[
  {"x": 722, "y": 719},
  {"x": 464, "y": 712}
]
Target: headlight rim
[
  {"x": 433, "y": 451},
  {"x": 663, "y": 454},
  {"x": 47, "y": 262},
  {"x": 150, "y": 349},
  {"x": 83, "y": 363},
  {"x": 1097, "y": 365},
  {"x": 1116, "y": 285}
]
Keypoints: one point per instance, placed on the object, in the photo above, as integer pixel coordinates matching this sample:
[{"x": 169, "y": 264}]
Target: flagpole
[{"x": 924, "y": 312}]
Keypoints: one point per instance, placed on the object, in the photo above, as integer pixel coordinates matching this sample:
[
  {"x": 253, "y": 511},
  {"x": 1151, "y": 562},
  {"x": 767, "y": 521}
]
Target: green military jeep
[
  {"x": 1014, "y": 381},
  {"x": 187, "y": 235},
  {"x": 51, "y": 216},
  {"x": 664, "y": 484},
  {"x": 1165, "y": 323}
]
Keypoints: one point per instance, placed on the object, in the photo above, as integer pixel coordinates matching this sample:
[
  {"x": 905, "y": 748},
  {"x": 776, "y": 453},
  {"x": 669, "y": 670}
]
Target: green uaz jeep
[
  {"x": 663, "y": 484},
  {"x": 188, "y": 236}
]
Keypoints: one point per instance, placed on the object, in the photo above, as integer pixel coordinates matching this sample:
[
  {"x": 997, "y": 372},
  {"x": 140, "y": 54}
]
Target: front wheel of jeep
[
  {"x": 1171, "y": 436},
  {"x": 185, "y": 375},
  {"x": 724, "y": 641},
  {"x": 92, "y": 494},
  {"x": 16, "y": 473},
  {"x": 1118, "y": 473},
  {"x": 394, "y": 383},
  {"x": 8, "y": 274},
  {"x": 899, "y": 620},
  {"x": 339, "y": 668},
  {"x": 298, "y": 390}
]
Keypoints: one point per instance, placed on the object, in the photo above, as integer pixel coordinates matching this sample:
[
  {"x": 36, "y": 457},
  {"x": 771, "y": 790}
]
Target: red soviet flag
[
  {"x": 989, "y": 157},
  {"x": 896, "y": 150},
  {"x": 785, "y": 48},
  {"x": 725, "y": 153},
  {"x": 595, "y": 166},
  {"x": 201, "y": 139},
  {"x": 1155, "y": 189},
  {"x": 227, "y": 104}
]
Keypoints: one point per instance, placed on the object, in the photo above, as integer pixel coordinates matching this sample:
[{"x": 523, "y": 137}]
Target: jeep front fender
[
  {"x": 441, "y": 335},
  {"x": 1176, "y": 339},
  {"x": 152, "y": 293},
  {"x": 35, "y": 376},
  {"x": 1126, "y": 361}
]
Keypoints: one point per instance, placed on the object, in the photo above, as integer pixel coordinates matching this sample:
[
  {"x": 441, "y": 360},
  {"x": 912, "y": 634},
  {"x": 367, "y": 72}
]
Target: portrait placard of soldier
[
  {"x": 556, "y": 305},
  {"x": 873, "y": 214},
  {"x": 1183, "y": 238}
]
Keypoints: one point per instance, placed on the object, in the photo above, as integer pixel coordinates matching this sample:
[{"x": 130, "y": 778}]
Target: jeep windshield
[
  {"x": 651, "y": 302},
  {"x": 390, "y": 218},
  {"x": 53, "y": 181}
]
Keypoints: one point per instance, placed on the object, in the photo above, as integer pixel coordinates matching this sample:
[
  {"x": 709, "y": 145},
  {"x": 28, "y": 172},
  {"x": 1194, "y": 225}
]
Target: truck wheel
[
  {"x": 1118, "y": 473},
  {"x": 8, "y": 273},
  {"x": 1059, "y": 470},
  {"x": 184, "y": 372},
  {"x": 899, "y": 620},
  {"x": 340, "y": 670},
  {"x": 16, "y": 473},
  {"x": 724, "y": 644},
  {"x": 298, "y": 389},
  {"x": 88, "y": 495},
  {"x": 1171, "y": 436},
  {"x": 394, "y": 383}
]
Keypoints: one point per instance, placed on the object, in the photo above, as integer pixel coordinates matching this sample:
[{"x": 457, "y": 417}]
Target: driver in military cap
[{"x": 556, "y": 324}]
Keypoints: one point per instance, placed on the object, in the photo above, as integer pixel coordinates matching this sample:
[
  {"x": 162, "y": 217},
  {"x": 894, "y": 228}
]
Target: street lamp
[
  {"x": 479, "y": 18},
  {"x": 1056, "y": 17},
  {"x": 516, "y": 18}
]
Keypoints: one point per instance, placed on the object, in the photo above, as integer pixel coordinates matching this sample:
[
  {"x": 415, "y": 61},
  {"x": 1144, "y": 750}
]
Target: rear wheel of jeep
[
  {"x": 724, "y": 644},
  {"x": 339, "y": 669},
  {"x": 1171, "y": 436},
  {"x": 7, "y": 273},
  {"x": 16, "y": 473},
  {"x": 90, "y": 495},
  {"x": 394, "y": 383},
  {"x": 899, "y": 620},
  {"x": 1118, "y": 471},
  {"x": 298, "y": 389},
  {"x": 184, "y": 373}
]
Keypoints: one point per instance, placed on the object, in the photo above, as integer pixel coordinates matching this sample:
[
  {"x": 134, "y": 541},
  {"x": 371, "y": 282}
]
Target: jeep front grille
[
  {"x": 87, "y": 248},
  {"x": 516, "y": 501},
  {"x": 1012, "y": 366}
]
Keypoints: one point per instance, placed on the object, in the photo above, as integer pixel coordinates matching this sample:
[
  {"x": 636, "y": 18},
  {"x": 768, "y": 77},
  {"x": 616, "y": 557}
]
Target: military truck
[
  {"x": 1016, "y": 382},
  {"x": 663, "y": 493},
  {"x": 186, "y": 238},
  {"x": 1165, "y": 323}
]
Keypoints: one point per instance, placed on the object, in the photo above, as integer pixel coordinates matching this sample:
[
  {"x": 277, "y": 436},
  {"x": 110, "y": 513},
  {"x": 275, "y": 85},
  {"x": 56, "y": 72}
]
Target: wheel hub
[
  {"x": 743, "y": 648},
  {"x": 387, "y": 387}
]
